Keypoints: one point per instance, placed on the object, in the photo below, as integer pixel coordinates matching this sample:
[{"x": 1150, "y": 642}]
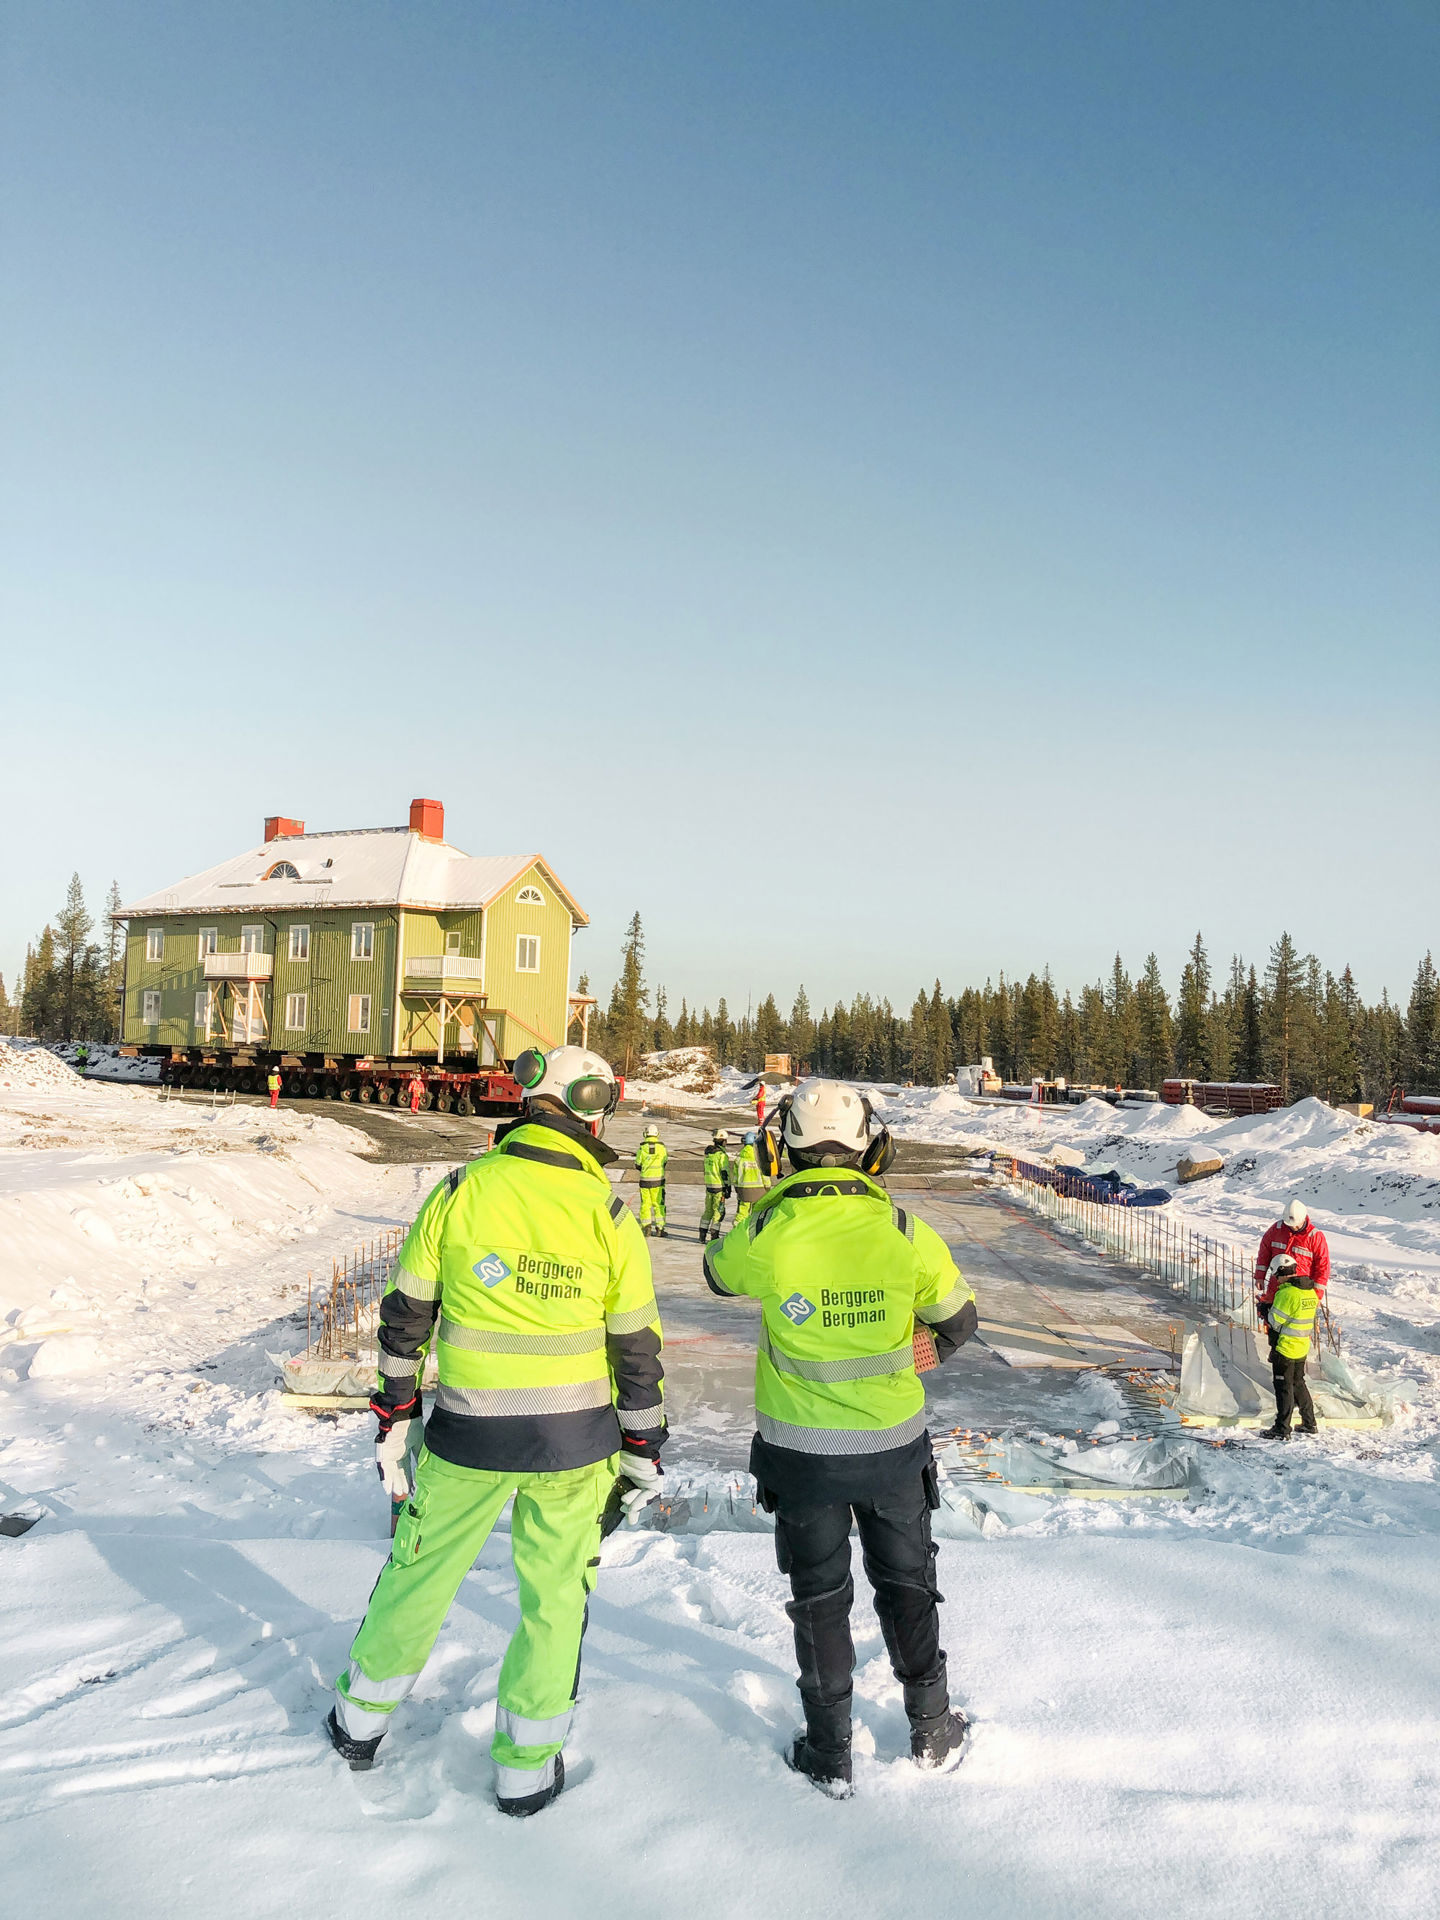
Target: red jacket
[{"x": 1311, "y": 1253}]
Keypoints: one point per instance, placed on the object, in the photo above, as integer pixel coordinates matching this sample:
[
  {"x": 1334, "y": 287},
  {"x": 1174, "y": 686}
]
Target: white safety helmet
[
  {"x": 825, "y": 1116},
  {"x": 652, "y": 1133},
  {"x": 1283, "y": 1267},
  {"x": 1294, "y": 1216},
  {"x": 581, "y": 1081},
  {"x": 722, "y": 1138}
]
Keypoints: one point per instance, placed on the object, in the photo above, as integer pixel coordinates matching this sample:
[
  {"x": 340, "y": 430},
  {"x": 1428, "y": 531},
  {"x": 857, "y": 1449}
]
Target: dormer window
[
  {"x": 282, "y": 870},
  {"x": 530, "y": 897}
]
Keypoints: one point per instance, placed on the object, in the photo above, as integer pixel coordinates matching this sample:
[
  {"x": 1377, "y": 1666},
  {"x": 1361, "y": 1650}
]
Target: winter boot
[
  {"x": 359, "y": 1754},
  {"x": 822, "y": 1751},
  {"x": 523, "y": 1805},
  {"x": 938, "y": 1744},
  {"x": 1275, "y": 1433}
]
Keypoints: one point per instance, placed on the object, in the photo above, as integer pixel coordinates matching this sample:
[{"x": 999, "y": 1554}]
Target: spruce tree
[
  {"x": 723, "y": 1033},
  {"x": 1284, "y": 1010},
  {"x": 630, "y": 1025},
  {"x": 115, "y": 963},
  {"x": 1421, "y": 1056},
  {"x": 1250, "y": 1040},
  {"x": 1153, "y": 1039},
  {"x": 769, "y": 1029},
  {"x": 7, "y": 1016},
  {"x": 921, "y": 1063},
  {"x": 802, "y": 1031},
  {"x": 73, "y": 924},
  {"x": 1192, "y": 1008},
  {"x": 942, "y": 1044}
]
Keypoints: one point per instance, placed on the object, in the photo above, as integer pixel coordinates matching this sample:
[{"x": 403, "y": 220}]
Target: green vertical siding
[{"x": 536, "y": 1001}]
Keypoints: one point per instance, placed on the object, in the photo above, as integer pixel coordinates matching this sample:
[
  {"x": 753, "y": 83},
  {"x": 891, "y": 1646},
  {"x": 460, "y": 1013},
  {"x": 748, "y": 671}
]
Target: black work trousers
[
  {"x": 812, "y": 1545},
  {"x": 1291, "y": 1392}
]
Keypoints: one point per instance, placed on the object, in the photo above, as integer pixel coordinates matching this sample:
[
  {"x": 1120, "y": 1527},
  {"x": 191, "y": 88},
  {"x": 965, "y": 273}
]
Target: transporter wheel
[
  {"x": 244, "y": 1082},
  {"x": 464, "y": 1105},
  {"x": 385, "y": 1093},
  {"x": 346, "y": 1092},
  {"x": 443, "y": 1100},
  {"x": 215, "y": 1080},
  {"x": 427, "y": 1100},
  {"x": 312, "y": 1089},
  {"x": 365, "y": 1093}
]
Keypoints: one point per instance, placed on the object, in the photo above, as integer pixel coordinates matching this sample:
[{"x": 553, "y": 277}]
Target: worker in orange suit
[
  {"x": 417, "y": 1087},
  {"x": 760, "y": 1105},
  {"x": 272, "y": 1081}
]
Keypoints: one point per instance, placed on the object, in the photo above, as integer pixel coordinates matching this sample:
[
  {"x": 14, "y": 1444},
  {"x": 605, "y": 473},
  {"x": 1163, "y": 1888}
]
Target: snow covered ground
[{"x": 1229, "y": 1704}]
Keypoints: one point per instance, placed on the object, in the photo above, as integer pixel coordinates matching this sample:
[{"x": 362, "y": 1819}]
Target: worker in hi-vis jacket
[
  {"x": 650, "y": 1159},
  {"x": 527, "y": 1277}
]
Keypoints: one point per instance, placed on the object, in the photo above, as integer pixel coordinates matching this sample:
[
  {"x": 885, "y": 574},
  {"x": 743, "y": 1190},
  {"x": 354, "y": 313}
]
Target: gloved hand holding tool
[{"x": 644, "y": 1476}]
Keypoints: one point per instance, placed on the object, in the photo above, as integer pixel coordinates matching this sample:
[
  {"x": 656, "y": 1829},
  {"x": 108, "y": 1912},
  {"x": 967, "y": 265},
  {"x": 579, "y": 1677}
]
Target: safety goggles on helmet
[{"x": 590, "y": 1095}]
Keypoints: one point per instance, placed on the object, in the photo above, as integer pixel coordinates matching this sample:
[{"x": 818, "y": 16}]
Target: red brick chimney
[
  {"x": 427, "y": 818},
  {"x": 277, "y": 827}
]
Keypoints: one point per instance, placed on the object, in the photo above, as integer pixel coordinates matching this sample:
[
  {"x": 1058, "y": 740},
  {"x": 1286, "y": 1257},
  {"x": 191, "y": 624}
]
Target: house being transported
[{"x": 353, "y": 961}]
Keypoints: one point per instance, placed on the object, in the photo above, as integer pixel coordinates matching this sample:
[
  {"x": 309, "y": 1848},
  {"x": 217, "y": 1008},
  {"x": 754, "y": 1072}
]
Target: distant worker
[
  {"x": 717, "y": 1185},
  {"x": 272, "y": 1081},
  {"x": 529, "y": 1281},
  {"x": 842, "y": 1276},
  {"x": 749, "y": 1182},
  {"x": 760, "y": 1104},
  {"x": 1292, "y": 1327},
  {"x": 1293, "y": 1233},
  {"x": 650, "y": 1158},
  {"x": 82, "y": 1057},
  {"x": 417, "y": 1092}
]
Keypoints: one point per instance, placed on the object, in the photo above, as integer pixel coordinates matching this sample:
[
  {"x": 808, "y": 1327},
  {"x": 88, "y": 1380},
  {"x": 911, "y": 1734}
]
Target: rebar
[{"x": 342, "y": 1321}]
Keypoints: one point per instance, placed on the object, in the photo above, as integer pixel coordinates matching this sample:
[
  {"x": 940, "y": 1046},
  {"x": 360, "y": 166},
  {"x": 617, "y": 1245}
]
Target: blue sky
[{"x": 885, "y": 490}]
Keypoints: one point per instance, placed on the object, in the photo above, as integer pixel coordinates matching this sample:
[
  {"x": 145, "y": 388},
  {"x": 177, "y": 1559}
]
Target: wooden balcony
[
  {"x": 239, "y": 966},
  {"x": 437, "y": 969}
]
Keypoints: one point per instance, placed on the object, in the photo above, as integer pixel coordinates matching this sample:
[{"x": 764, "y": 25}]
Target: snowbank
[{"x": 29, "y": 1065}]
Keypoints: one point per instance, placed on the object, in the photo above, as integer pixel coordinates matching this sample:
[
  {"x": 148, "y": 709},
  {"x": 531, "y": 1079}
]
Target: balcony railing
[
  {"x": 442, "y": 967},
  {"x": 239, "y": 966}
]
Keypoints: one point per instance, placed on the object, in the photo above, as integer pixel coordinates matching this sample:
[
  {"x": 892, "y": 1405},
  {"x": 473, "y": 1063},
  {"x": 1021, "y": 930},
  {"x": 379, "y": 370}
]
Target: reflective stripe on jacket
[
  {"x": 650, "y": 1158},
  {"x": 842, "y": 1275},
  {"x": 717, "y": 1170},
  {"x": 533, "y": 1282},
  {"x": 1311, "y": 1252},
  {"x": 1293, "y": 1318}
]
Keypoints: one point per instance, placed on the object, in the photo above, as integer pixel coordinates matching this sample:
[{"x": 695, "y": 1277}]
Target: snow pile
[
  {"x": 689, "y": 1070},
  {"x": 28, "y": 1064},
  {"x": 106, "y": 1062}
]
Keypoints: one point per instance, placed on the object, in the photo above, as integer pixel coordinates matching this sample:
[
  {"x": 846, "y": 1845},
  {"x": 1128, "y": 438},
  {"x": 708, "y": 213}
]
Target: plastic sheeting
[{"x": 1225, "y": 1379}]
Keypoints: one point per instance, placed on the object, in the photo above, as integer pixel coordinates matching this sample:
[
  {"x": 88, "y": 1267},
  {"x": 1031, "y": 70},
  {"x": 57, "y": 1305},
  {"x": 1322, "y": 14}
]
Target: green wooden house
[{"x": 381, "y": 943}]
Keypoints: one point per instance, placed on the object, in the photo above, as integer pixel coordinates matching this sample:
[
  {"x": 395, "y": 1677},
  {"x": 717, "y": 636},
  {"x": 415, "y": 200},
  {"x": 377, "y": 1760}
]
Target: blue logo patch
[
  {"x": 492, "y": 1270},
  {"x": 797, "y": 1309}
]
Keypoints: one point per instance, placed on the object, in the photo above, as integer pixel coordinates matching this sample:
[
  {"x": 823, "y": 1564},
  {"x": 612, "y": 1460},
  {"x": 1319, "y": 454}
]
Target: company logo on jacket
[
  {"x": 492, "y": 1270},
  {"x": 797, "y": 1309}
]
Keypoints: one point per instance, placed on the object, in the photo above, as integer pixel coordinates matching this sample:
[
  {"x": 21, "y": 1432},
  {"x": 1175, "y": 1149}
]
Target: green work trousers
[
  {"x": 652, "y": 1206},
  {"x": 555, "y": 1546},
  {"x": 714, "y": 1214},
  {"x": 745, "y": 1199}
]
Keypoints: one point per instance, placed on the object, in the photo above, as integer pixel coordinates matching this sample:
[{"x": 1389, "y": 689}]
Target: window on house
[
  {"x": 154, "y": 943},
  {"x": 252, "y": 939},
  {"x": 299, "y": 943},
  {"x": 297, "y": 1010},
  {"x": 530, "y": 897},
  {"x": 359, "y": 1013},
  {"x": 202, "y": 1012},
  {"x": 209, "y": 941},
  {"x": 282, "y": 870},
  {"x": 527, "y": 953},
  {"x": 452, "y": 943},
  {"x": 150, "y": 1011},
  {"x": 362, "y": 944}
]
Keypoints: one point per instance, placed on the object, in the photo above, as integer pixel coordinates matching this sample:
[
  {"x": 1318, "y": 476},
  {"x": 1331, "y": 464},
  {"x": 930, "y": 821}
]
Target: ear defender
[
  {"x": 767, "y": 1153},
  {"x": 530, "y": 1068},
  {"x": 879, "y": 1154}
]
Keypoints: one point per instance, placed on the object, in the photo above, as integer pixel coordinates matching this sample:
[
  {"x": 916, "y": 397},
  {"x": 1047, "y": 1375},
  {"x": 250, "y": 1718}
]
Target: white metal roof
[{"x": 378, "y": 867}]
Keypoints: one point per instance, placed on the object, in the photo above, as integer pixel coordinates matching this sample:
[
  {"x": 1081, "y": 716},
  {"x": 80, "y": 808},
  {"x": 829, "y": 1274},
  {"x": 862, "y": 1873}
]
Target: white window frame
[
  {"x": 297, "y": 1012},
  {"x": 155, "y": 943},
  {"x": 252, "y": 939},
  {"x": 362, "y": 947},
  {"x": 527, "y": 953},
  {"x": 150, "y": 1007},
  {"x": 208, "y": 941},
  {"x": 452, "y": 943},
  {"x": 359, "y": 1015},
  {"x": 529, "y": 897},
  {"x": 300, "y": 943},
  {"x": 202, "y": 1011}
]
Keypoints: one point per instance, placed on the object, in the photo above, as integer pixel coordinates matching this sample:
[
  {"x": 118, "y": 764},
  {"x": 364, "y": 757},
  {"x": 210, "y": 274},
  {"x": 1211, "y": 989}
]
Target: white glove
[
  {"x": 395, "y": 1455},
  {"x": 644, "y": 1476}
]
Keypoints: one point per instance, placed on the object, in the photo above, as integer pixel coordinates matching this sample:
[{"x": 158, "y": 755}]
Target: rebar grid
[
  {"x": 341, "y": 1320},
  {"x": 1213, "y": 1275}
]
